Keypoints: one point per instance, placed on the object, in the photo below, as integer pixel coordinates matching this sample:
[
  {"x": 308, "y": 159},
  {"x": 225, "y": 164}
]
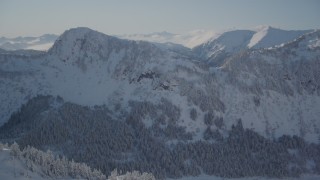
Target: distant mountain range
[
  {"x": 260, "y": 37},
  {"x": 244, "y": 103},
  {"x": 189, "y": 39},
  {"x": 42, "y": 43}
]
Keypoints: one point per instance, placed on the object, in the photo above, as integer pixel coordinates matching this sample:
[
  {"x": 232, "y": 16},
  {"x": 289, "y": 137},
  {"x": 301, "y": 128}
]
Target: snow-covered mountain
[
  {"x": 89, "y": 68},
  {"x": 41, "y": 43},
  {"x": 216, "y": 50},
  {"x": 167, "y": 89}
]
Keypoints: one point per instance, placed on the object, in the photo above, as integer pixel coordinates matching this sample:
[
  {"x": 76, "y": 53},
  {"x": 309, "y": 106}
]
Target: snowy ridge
[
  {"x": 268, "y": 36},
  {"x": 228, "y": 42},
  {"x": 216, "y": 50}
]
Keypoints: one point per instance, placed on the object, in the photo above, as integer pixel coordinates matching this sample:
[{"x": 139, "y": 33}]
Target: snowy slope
[
  {"x": 285, "y": 82},
  {"x": 274, "y": 91},
  {"x": 13, "y": 168},
  {"x": 31, "y": 163},
  {"x": 228, "y": 42},
  {"x": 217, "y": 49}
]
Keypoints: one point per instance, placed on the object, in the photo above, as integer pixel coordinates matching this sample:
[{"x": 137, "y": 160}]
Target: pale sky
[{"x": 37, "y": 17}]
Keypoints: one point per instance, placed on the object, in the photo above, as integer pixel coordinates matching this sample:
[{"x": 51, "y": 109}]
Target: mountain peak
[
  {"x": 80, "y": 30},
  {"x": 267, "y": 36},
  {"x": 229, "y": 41},
  {"x": 78, "y": 33},
  {"x": 86, "y": 44},
  {"x": 263, "y": 28},
  {"x": 76, "y": 41}
]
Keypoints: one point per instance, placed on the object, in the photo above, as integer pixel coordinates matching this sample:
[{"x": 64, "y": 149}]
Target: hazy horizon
[{"x": 38, "y": 17}]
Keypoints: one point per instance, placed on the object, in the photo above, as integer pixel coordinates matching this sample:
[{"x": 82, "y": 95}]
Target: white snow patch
[
  {"x": 314, "y": 43},
  {"x": 257, "y": 37}
]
